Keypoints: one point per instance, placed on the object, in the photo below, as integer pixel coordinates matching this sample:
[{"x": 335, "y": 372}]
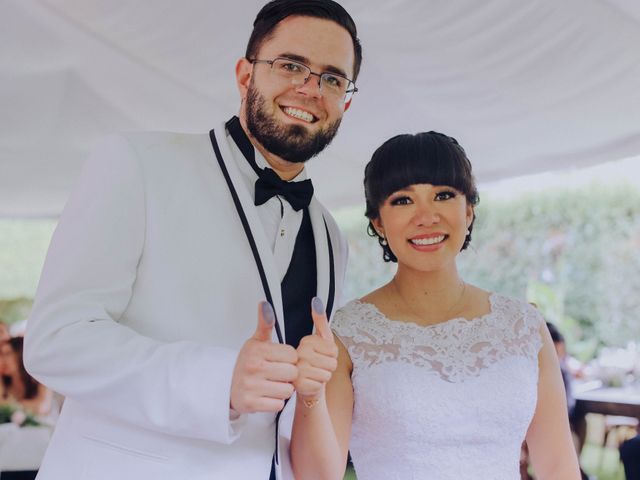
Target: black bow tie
[
  {"x": 269, "y": 184},
  {"x": 298, "y": 194}
]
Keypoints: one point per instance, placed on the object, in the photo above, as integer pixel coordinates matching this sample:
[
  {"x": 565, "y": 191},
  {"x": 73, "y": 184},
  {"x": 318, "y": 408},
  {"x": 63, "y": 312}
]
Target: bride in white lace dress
[{"x": 435, "y": 378}]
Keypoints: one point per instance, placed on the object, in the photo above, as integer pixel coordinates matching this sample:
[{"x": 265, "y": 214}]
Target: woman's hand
[{"x": 317, "y": 357}]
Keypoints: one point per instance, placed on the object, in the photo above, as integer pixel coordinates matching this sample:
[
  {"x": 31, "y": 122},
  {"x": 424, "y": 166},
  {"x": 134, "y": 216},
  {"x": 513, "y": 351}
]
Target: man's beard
[{"x": 292, "y": 143}]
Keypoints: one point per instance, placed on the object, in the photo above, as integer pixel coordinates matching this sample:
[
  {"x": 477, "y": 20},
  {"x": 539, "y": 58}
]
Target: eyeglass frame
[{"x": 349, "y": 92}]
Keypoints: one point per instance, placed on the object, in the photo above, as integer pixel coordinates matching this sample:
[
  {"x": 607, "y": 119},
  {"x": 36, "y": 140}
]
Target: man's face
[{"x": 296, "y": 122}]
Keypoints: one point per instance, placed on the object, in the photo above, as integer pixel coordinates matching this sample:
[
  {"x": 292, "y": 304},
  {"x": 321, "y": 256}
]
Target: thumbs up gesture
[
  {"x": 317, "y": 356},
  {"x": 264, "y": 371}
]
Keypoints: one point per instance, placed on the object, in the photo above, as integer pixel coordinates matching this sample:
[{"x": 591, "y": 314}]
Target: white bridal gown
[{"x": 450, "y": 401}]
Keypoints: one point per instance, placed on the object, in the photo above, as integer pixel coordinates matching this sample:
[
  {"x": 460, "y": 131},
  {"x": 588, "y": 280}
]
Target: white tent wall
[{"x": 525, "y": 86}]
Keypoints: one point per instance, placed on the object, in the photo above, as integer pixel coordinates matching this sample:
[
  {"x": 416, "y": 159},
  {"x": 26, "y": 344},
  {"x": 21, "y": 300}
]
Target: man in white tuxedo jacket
[{"x": 145, "y": 316}]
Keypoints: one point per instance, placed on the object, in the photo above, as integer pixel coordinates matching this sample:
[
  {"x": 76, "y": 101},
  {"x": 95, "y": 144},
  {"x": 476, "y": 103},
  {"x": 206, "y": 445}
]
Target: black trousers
[{"x": 630, "y": 456}]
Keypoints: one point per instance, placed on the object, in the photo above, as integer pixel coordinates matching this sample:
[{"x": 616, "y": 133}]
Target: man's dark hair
[
  {"x": 277, "y": 10},
  {"x": 428, "y": 157}
]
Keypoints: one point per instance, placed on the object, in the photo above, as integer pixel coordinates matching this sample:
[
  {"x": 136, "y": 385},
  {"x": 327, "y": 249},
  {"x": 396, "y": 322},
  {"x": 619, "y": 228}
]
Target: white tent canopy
[{"x": 526, "y": 86}]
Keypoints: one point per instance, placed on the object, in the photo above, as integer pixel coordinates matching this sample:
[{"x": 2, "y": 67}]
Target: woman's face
[{"x": 425, "y": 225}]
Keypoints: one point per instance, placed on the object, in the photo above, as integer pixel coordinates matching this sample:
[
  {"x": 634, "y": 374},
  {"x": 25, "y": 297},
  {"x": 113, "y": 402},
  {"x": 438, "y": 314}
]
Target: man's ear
[{"x": 244, "y": 69}]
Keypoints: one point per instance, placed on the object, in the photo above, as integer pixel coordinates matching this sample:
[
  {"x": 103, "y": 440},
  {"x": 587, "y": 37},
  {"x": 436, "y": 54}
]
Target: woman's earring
[
  {"x": 383, "y": 242},
  {"x": 468, "y": 232}
]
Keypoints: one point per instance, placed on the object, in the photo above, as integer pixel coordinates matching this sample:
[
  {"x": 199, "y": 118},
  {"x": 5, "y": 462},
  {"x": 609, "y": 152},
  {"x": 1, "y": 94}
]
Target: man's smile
[{"x": 299, "y": 114}]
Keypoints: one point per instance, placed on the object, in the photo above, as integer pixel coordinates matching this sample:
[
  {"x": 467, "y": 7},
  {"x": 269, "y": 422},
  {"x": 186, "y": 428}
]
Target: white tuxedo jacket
[{"x": 148, "y": 292}]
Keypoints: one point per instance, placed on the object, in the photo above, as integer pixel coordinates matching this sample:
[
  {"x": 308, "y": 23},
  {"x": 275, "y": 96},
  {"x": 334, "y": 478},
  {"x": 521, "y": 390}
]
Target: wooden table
[
  {"x": 604, "y": 401},
  {"x": 610, "y": 401}
]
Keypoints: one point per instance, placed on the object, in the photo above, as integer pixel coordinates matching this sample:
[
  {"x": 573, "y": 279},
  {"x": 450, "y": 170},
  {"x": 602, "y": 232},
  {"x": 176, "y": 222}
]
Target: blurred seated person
[
  {"x": 17, "y": 386},
  {"x": 630, "y": 458},
  {"x": 576, "y": 422},
  {"x": 576, "y": 419},
  {"x": 561, "y": 350}
]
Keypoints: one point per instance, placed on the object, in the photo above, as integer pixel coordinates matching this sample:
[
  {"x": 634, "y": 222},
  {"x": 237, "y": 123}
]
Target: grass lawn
[{"x": 350, "y": 475}]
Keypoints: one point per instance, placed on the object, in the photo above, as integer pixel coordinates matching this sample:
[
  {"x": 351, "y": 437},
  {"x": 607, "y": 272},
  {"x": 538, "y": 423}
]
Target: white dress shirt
[{"x": 280, "y": 221}]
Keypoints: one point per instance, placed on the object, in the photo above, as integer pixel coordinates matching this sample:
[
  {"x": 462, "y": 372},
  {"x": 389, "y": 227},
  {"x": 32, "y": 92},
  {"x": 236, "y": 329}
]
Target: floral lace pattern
[
  {"x": 455, "y": 349},
  {"x": 445, "y": 401}
]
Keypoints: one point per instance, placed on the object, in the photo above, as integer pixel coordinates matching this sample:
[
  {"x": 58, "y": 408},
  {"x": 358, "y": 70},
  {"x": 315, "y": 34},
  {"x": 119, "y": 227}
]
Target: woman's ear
[
  {"x": 470, "y": 214},
  {"x": 377, "y": 224}
]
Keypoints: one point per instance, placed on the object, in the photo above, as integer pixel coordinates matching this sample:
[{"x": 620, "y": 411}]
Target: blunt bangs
[{"x": 407, "y": 159}]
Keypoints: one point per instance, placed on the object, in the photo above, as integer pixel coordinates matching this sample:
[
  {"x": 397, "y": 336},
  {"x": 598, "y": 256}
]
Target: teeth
[
  {"x": 427, "y": 241},
  {"x": 301, "y": 114}
]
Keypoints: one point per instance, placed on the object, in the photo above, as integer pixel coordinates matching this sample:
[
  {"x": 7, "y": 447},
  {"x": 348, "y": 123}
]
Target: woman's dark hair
[
  {"x": 277, "y": 10},
  {"x": 407, "y": 159},
  {"x": 30, "y": 383}
]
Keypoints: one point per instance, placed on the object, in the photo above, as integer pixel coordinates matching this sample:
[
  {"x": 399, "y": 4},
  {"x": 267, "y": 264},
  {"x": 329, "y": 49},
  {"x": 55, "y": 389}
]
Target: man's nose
[{"x": 311, "y": 86}]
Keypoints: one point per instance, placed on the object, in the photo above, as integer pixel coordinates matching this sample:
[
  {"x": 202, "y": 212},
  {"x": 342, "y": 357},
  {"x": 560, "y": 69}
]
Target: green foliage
[
  {"x": 7, "y": 415},
  {"x": 574, "y": 252},
  {"x": 23, "y": 245},
  {"x": 15, "y": 310},
  {"x": 366, "y": 270}
]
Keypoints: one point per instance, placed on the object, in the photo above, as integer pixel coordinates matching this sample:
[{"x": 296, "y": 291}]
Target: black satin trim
[{"x": 247, "y": 231}]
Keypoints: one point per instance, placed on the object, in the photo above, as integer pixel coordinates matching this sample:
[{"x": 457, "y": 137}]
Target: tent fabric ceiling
[{"x": 525, "y": 86}]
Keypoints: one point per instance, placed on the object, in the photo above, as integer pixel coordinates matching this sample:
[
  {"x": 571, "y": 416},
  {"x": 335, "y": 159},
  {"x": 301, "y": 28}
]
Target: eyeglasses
[{"x": 331, "y": 84}]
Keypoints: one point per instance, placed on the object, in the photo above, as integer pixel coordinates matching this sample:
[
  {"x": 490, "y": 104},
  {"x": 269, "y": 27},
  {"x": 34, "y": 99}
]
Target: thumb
[
  {"x": 266, "y": 319},
  {"x": 320, "y": 319}
]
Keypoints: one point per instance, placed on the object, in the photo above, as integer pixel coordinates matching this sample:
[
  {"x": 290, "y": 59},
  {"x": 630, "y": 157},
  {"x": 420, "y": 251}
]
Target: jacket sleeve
[{"x": 75, "y": 343}]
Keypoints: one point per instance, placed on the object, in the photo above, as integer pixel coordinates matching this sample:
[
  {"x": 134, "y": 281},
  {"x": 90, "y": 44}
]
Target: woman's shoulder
[
  {"x": 346, "y": 317},
  {"x": 522, "y": 319},
  {"x": 355, "y": 312},
  {"x": 514, "y": 308}
]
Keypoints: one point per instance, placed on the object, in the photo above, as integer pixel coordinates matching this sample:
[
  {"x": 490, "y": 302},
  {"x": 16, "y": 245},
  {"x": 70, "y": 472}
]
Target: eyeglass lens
[{"x": 299, "y": 73}]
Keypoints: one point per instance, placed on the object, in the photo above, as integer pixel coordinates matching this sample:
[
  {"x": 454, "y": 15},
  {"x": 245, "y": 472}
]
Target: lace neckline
[{"x": 430, "y": 326}]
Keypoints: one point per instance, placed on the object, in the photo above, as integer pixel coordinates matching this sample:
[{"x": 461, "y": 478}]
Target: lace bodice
[{"x": 445, "y": 401}]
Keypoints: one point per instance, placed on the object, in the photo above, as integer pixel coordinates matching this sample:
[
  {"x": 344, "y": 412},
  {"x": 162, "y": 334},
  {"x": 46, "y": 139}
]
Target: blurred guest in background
[
  {"x": 561, "y": 349},
  {"x": 18, "y": 387},
  {"x": 576, "y": 421}
]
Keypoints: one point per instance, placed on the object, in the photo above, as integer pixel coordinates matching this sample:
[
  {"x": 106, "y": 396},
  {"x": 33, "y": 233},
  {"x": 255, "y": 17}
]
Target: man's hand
[
  {"x": 264, "y": 371},
  {"x": 317, "y": 356}
]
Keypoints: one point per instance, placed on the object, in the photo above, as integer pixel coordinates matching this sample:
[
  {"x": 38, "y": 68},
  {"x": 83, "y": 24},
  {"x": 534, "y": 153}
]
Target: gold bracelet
[{"x": 310, "y": 402}]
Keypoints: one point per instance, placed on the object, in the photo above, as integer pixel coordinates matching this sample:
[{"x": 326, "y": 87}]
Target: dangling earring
[
  {"x": 383, "y": 242},
  {"x": 468, "y": 232}
]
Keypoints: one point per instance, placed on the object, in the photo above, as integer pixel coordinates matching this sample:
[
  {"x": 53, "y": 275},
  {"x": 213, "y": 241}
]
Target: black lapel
[
  {"x": 247, "y": 231},
  {"x": 332, "y": 274}
]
